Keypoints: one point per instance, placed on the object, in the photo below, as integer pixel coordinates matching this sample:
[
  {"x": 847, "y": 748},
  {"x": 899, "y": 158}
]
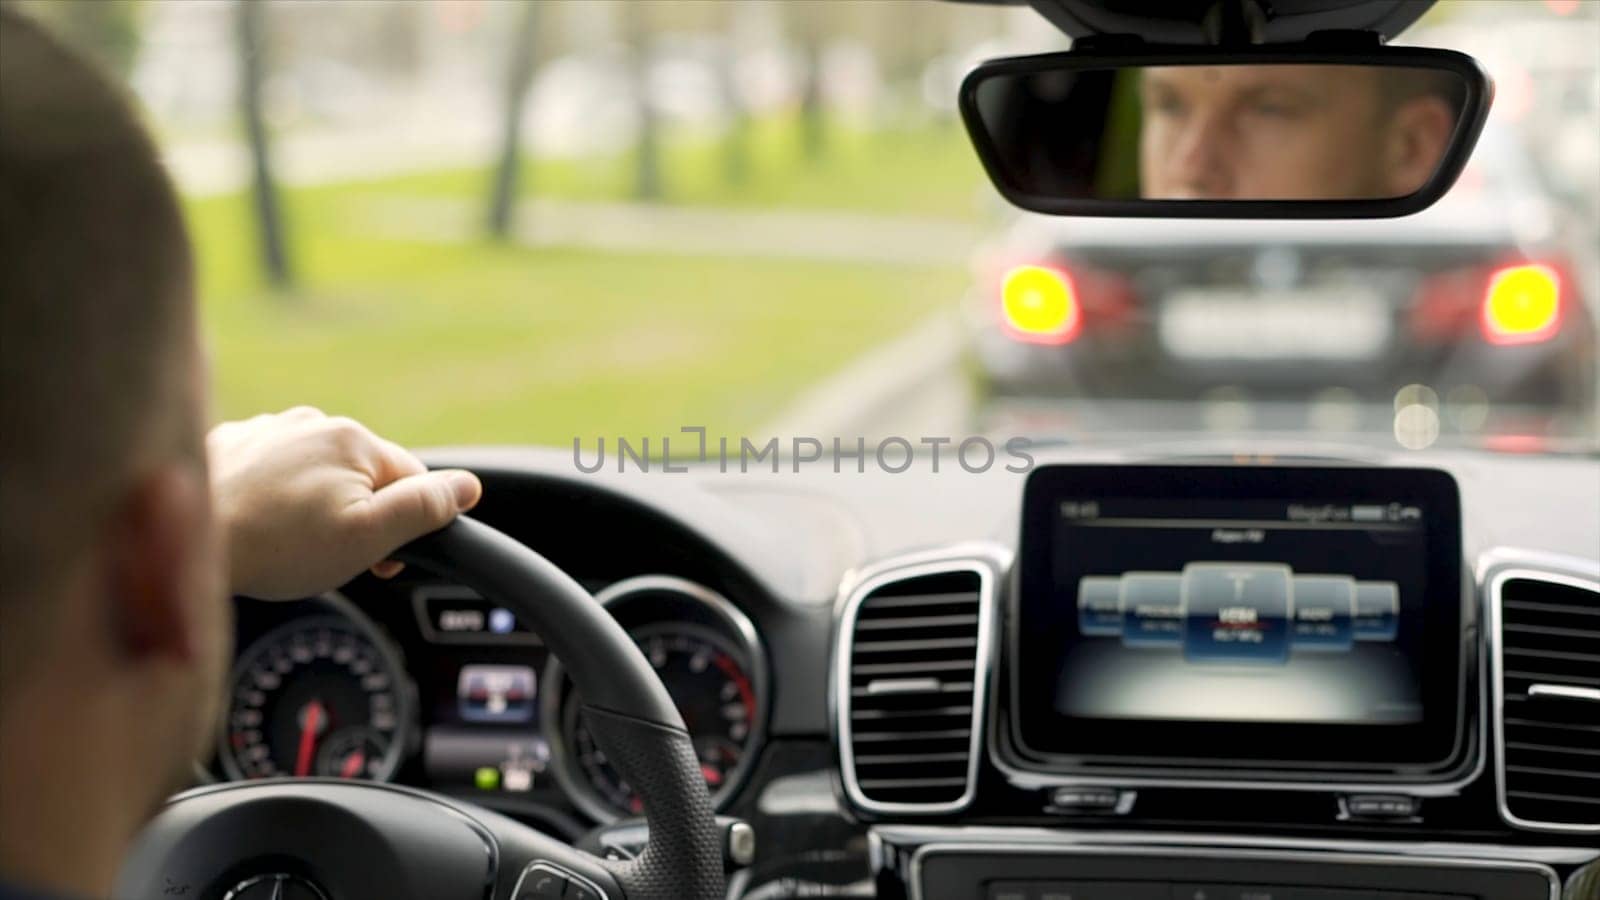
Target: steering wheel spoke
[{"x": 535, "y": 866}]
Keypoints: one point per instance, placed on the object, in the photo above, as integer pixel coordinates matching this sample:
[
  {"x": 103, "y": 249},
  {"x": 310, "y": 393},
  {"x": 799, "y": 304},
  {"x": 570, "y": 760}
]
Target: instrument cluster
[{"x": 429, "y": 684}]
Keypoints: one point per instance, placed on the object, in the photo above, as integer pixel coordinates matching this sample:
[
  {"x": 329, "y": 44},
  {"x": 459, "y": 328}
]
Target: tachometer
[
  {"x": 318, "y": 696},
  {"x": 708, "y": 655},
  {"x": 708, "y": 683}
]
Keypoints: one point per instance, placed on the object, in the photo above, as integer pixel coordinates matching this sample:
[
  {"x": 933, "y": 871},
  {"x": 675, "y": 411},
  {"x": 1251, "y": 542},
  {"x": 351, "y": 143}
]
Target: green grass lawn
[
  {"x": 454, "y": 342},
  {"x": 928, "y": 169}
]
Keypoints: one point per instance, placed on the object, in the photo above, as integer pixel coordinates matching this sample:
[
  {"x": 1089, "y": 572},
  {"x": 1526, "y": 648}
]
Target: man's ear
[
  {"x": 158, "y": 557},
  {"x": 1419, "y": 135}
]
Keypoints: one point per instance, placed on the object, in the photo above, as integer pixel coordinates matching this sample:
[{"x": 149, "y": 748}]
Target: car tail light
[
  {"x": 1522, "y": 305},
  {"x": 1448, "y": 304},
  {"x": 1519, "y": 303},
  {"x": 1039, "y": 304}
]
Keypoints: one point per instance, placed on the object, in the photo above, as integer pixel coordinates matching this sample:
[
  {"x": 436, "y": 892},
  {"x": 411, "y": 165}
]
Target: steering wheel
[{"x": 331, "y": 839}]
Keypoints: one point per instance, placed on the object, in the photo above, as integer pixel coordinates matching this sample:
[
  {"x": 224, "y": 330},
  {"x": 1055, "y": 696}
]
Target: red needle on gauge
[
  {"x": 310, "y": 722},
  {"x": 352, "y": 765}
]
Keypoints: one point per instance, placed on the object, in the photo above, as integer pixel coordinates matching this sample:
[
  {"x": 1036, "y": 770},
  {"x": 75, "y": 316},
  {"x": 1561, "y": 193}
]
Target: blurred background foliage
[
  {"x": 109, "y": 30},
  {"x": 535, "y": 220},
  {"x": 383, "y": 196}
]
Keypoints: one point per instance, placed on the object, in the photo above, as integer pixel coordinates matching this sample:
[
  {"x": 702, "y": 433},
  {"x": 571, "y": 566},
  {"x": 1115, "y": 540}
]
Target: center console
[
  {"x": 1013, "y": 864},
  {"x": 1219, "y": 682}
]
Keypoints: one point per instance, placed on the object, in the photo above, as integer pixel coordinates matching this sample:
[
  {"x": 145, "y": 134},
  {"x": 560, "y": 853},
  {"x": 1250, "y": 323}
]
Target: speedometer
[{"x": 319, "y": 696}]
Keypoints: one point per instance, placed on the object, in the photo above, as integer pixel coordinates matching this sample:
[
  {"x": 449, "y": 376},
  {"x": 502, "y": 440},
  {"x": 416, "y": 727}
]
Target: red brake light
[
  {"x": 1522, "y": 305},
  {"x": 1039, "y": 304}
]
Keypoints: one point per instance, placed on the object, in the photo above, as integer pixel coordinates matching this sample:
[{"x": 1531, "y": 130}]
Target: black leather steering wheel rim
[{"x": 422, "y": 846}]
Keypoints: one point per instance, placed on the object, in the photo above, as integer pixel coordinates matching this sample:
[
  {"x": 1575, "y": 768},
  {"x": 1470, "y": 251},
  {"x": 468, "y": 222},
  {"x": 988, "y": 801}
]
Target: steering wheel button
[
  {"x": 542, "y": 884},
  {"x": 576, "y": 891}
]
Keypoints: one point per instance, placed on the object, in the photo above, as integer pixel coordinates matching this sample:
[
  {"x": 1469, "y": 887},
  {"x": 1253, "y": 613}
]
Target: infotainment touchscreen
[{"x": 1240, "y": 615}]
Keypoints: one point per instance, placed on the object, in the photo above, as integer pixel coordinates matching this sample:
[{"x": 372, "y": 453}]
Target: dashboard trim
[
  {"x": 989, "y": 563},
  {"x": 1003, "y": 841},
  {"x": 1499, "y": 566}
]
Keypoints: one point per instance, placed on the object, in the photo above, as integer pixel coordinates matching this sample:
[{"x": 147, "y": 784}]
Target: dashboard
[{"x": 1173, "y": 674}]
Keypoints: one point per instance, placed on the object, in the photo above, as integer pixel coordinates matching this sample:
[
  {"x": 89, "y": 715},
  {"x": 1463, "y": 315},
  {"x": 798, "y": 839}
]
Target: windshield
[{"x": 563, "y": 223}]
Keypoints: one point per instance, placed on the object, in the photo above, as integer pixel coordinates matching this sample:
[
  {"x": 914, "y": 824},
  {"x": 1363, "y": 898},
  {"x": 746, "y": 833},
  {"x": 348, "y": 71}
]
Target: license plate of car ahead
[{"x": 1318, "y": 324}]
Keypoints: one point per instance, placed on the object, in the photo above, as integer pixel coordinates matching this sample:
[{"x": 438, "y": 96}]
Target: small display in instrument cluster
[
  {"x": 500, "y": 694},
  {"x": 482, "y": 730},
  {"x": 482, "y": 695}
]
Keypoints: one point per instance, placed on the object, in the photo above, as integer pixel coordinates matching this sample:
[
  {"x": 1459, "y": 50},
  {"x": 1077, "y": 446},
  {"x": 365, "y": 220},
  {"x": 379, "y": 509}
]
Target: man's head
[
  {"x": 110, "y": 574},
  {"x": 1291, "y": 132}
]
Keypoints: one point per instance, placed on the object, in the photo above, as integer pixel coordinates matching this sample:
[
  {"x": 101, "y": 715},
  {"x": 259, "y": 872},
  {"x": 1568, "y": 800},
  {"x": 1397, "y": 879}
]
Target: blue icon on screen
[{"x": 501, "y": 621}]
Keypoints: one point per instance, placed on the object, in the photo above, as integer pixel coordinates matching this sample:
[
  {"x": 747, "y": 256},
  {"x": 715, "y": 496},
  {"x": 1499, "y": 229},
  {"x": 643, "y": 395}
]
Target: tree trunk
[
  {"x": 519, "y": 77},
  {"x": 269, "y": 217},
  {"x": 736, "y": 140},
  {"x": 647, "y": 175},
  {"x": 813, "y": 136}
]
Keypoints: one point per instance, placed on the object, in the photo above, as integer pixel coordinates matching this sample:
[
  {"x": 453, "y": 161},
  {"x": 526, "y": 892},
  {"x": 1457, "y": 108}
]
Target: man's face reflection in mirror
[{"x": 1292, "y": 132}]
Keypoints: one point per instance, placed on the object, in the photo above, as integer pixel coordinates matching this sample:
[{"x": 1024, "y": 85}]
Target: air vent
[
  {"x": 910, "y": 680},
  {"x": 1548, "y": 663}
]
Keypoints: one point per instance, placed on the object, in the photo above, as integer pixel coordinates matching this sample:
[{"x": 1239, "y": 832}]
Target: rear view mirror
[{"x": 1257, "y": 133}]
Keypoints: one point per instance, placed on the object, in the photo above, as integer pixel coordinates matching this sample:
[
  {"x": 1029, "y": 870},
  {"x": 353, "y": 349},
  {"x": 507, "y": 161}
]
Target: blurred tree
[
  {"x": 714, "y": 27},
  {"x": 519, "y": 76},
  {"x": 397, "y": 38},
  {"x": 647, "y": 176},
  {"x": 805, "y": 24},
  {"x": 107, "y": 29},
  {"x": 252, "y": 67},
  {"x": 907, "y": 38},
  {"x": 736, "y": 139}
]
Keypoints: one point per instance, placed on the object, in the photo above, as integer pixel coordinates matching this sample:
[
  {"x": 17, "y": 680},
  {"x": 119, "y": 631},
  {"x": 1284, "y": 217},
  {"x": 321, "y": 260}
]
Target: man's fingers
[
  {"x": 389, "y": 568},
  {"x": 413, "y": 506},
  {"x": 302, "y": 414},
  {"x": 383, "y": 460},
  {"x": 394, "y": 462}
]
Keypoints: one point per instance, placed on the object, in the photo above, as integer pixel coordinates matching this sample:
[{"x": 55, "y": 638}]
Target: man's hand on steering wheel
[{"x": 307, "y": 501}]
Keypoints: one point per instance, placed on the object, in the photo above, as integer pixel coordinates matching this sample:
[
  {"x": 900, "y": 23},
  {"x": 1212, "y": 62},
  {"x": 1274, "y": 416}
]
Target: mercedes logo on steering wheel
[{"x": 276, "y": 886}]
